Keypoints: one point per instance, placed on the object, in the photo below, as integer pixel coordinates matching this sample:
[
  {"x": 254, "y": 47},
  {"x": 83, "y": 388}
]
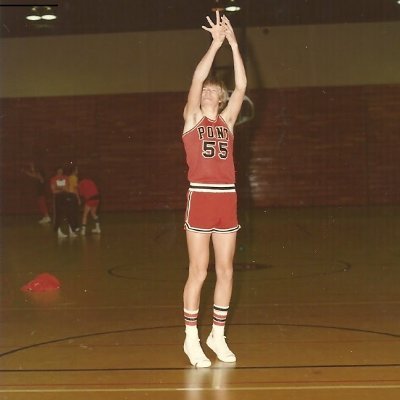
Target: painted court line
[
  {"x": 239, "y": 389},
  {"x": 68, "y": 307}
]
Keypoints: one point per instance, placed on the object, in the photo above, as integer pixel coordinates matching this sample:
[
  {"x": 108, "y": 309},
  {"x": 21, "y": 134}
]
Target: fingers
[
  {"x": 214, "y": 28},
  {"x": 226, "y": 23},
  {"x": 217, "y": 18},
  {"x": 228, "y": 30},
  {"x": 222, "y": 26},
  {"x": 226, "y": 20},
  {"x": 210, "y": 21}
]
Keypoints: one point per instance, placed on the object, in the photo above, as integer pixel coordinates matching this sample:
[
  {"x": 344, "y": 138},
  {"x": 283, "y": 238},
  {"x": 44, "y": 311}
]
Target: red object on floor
[{"x": 42, "y": 283}]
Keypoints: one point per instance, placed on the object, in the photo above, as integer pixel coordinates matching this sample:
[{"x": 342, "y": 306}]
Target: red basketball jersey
[
  {"x": 59, "y": 181},
  {"x": 209, "y": 152},
  {"x": 87, "y": 188}
]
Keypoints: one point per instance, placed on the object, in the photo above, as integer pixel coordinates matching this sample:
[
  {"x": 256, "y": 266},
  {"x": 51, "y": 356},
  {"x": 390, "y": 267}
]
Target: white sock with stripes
[
  {"x": 219, "y": 319},
  {"x": 191, "y": 322}
]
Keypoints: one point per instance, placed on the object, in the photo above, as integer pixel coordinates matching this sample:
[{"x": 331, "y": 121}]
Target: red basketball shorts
[
  {"x": 92, "y": 203},
  {"x": 211, "y": 209}
]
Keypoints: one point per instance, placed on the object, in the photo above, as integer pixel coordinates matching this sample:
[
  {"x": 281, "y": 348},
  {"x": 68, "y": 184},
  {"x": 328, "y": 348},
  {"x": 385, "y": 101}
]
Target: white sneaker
[
  {"x": 45, "y": 220},
  {"x": 72, "y": 233},
  {"x": 218, "y": 345},
  {"x": 196, "y": 355},
  {"x": 60, "y": 234},
  {"x": 96, "y": 230}
]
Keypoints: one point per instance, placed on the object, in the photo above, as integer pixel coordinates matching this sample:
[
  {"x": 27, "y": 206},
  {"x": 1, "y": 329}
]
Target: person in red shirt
[
  {"x": 59, "y": 188},
  {"x": 211, "y": 212},
  {"x": 89, "y": 192}
]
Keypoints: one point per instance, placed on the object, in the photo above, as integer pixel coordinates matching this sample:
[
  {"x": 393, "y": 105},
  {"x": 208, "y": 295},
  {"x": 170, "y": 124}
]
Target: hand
[
  {"x": 228, "y": 30},
  {"x": 217, "y": 30}
]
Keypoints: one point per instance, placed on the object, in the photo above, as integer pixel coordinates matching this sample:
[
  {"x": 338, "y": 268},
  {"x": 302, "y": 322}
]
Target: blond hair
[{"x": 224, "y": 96}]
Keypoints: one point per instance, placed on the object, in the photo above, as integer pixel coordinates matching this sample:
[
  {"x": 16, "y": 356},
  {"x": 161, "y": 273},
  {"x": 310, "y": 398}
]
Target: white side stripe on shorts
[{"x": 212, "y": 187}]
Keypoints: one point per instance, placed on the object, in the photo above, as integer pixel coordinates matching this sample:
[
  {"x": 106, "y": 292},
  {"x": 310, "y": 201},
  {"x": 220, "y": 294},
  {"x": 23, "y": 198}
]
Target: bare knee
[
  {"x": 224, "y": 273},
  {"x": 197, "y": 273}
]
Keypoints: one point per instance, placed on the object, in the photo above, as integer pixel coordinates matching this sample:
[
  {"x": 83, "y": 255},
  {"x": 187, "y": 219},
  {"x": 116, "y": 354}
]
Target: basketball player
[
  {"x": 91, "y": 196},
  {"x": 211, "y": 213},
  {"x": 73, "y": 202},
  {"x": 59, "y": 188},
  {"x": 37, "y": 174}
]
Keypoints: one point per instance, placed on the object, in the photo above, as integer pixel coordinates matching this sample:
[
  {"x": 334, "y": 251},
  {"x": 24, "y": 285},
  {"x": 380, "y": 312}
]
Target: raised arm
[
  {"x": 192, "y": 110},
  {"x": 231, "y": 111},
  {"x": 33, "y": 174}
]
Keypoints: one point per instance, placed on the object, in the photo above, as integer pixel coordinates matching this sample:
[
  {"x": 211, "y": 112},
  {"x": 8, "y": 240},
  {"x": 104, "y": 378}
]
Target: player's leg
[
  {"x": 60, "y": 213},
  {"x": 71, "y": 213},
  {"x": 96, "y": 219},
  {"x": 41, "y": 201},
  {"x": 198, "y": 249},
  {"x": 224, "y": 247},
  {"x": 93, "y": 211},
  {"x": 85, "y": 213}
]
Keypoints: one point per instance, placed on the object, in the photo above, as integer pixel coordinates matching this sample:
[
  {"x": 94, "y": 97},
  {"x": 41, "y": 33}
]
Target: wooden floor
[{"x": 315, "y": 312}]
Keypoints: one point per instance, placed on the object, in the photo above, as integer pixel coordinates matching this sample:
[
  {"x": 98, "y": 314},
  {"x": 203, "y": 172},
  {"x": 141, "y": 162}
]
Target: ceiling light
[
  {"x": 37, "y": 13},
  {"x": 34, "y": 15},
  {"x": 232, "y": 6},
  {"x": 48, "y": 14},
  {"x": 49, "y": 17},
  {"x": 226, "y": 5}
]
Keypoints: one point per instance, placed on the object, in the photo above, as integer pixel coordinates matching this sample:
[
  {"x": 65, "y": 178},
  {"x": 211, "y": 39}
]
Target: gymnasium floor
[{"x": 315, "y": 312}]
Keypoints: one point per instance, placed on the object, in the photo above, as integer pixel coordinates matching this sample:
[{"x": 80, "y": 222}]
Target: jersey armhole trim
[{"x": 192, "y": 129}]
